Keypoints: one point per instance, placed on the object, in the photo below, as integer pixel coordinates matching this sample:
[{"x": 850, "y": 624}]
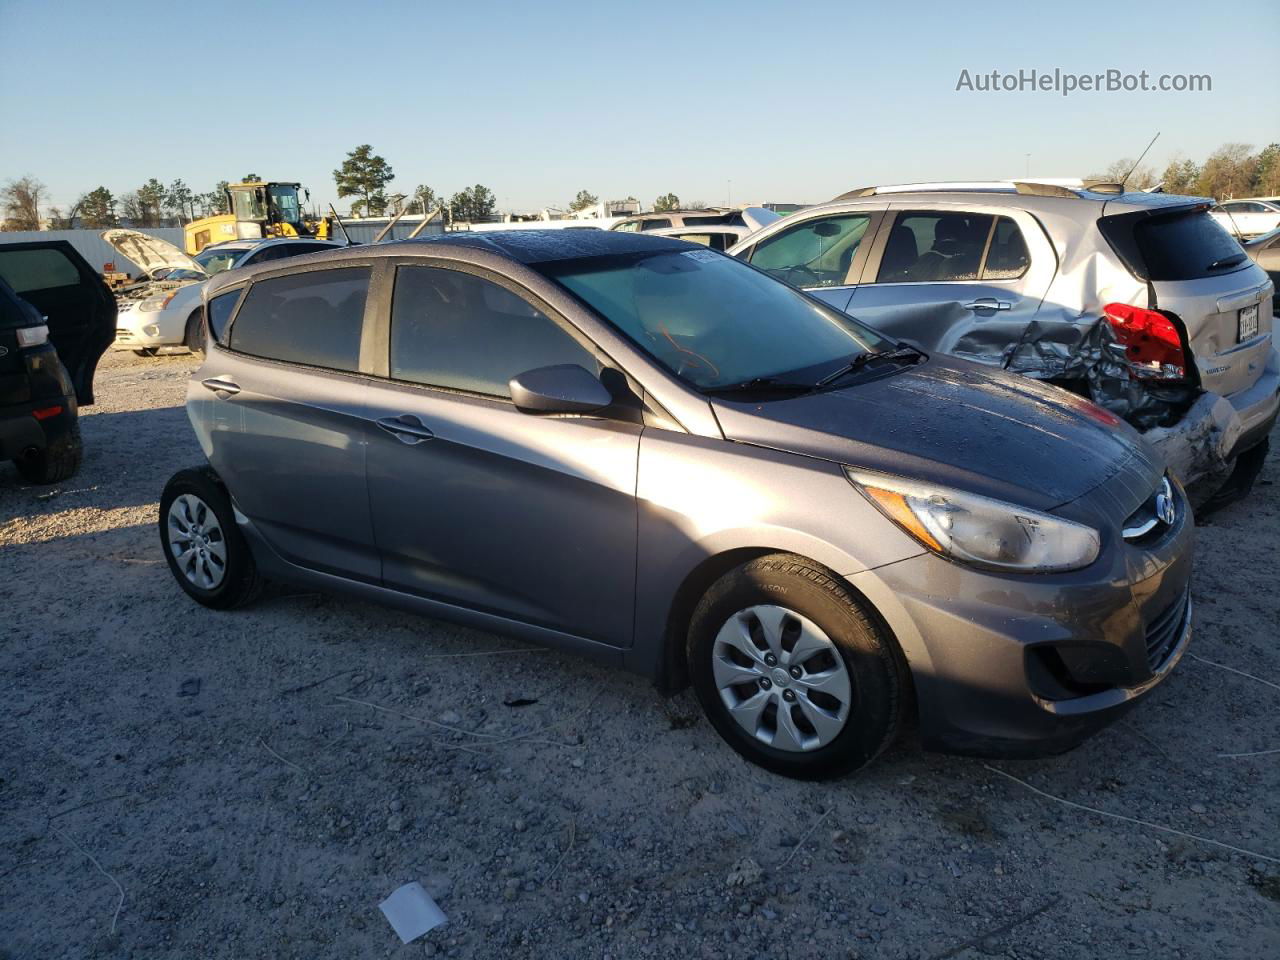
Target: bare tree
[
  {"x": 1118, "y": 172},
  {"x": 21, "y": 201}
]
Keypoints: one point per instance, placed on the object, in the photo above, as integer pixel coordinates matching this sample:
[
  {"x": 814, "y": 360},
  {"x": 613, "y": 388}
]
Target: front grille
[
  {"x": 1164, "y": 631},
  {"x": 123, "y": 334}
]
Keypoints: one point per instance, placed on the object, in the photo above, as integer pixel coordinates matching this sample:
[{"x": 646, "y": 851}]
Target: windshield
[
  {"x": 215, "y": 261},
  {"x": 285, "y": 200},
  {"x": 245, "y": 204},
  {"x": 712, "y": 320}
]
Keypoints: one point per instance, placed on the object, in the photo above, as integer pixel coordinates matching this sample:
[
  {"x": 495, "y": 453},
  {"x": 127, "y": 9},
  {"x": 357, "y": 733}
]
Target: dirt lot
[{"x": 219, "y": 770}]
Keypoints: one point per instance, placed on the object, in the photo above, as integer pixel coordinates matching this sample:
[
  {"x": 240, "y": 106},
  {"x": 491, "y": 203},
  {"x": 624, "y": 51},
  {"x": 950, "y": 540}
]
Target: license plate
[{"x": 1248, "y": 323}]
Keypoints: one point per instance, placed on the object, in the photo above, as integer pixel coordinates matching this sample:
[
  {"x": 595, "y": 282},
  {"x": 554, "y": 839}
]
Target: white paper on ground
[{"x": 411, "y": 912}]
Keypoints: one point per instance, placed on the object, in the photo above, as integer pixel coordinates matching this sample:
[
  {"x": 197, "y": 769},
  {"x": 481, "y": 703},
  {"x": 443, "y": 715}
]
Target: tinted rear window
[
  {"x": 37, "y": 269},
  {"x": 1186, "y": 247},
  {"x": 220, "y": 310},
  {"x": 313, "y": 318}
]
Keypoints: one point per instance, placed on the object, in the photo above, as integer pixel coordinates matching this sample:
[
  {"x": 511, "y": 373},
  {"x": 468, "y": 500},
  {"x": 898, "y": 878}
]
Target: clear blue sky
[{"x": 792, "y": 102}]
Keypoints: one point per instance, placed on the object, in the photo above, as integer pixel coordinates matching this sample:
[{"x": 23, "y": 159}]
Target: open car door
[{"x": 75, "y": 302}]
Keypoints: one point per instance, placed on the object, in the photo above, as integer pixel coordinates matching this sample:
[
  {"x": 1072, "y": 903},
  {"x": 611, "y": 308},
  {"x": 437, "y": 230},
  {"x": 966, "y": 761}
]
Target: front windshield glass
[
  {"x": 215, "y": 261},
  {"x": 712, "y": 320},
  {"x": 285, "y": 200}
]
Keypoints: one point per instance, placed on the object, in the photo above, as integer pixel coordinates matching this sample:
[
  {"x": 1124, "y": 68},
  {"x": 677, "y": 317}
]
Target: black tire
[
  {"x": 194, "y": 337},
  {"x": 879, "y": 679},
  {"x": 57, "y": 462},
  {"x": 239, "y": 581},
  {"x": 147, "y": 352}
]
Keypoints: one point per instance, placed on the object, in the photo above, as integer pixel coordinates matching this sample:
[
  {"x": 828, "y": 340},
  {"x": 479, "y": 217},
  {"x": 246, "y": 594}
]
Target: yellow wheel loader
[{"x": 259, "y": 209}]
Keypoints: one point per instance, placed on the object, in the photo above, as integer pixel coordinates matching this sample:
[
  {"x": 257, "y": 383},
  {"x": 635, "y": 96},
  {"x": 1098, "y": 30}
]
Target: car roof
[
  {"x": 541, "y": 246},
  {"x": 266, "y": 242},
  {"x": 519, "y": 246},
  {"x": 1030, "y": 195}
]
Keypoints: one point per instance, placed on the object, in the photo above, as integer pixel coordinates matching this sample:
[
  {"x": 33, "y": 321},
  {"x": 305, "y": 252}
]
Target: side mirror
[
  {"x": 826, "y": 229},
  {"x": 564, "y": 388}
]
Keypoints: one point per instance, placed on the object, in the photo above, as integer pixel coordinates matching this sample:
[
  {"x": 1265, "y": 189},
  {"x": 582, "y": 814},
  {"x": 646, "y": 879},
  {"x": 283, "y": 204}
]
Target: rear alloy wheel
[
  {"x": 793, "y": 669},
  {"x": 206, "y": 553}
]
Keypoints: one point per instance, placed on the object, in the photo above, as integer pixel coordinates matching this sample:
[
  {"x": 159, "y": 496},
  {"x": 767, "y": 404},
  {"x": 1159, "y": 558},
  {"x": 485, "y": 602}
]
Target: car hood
[
  {"x": 962, "y": 425},
  {"x": 150, "y": 253}
]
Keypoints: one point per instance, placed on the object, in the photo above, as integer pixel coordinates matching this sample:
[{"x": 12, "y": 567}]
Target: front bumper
[
  {"x": 1032, "y": 665},
  {"x": 136, "y": 330}
]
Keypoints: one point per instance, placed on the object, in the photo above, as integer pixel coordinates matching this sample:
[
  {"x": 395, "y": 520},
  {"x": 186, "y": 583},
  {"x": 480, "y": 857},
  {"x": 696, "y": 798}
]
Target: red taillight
[
  {"x": 44, "y": 413},
  {"x": 1150, "y": 340}
]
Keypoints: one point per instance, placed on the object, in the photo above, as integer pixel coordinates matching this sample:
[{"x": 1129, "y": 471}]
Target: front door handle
[
  {"x": 406, "y": 428},
  {"x": 987, "y": 303},
  {"x": 222, "y": 388}
]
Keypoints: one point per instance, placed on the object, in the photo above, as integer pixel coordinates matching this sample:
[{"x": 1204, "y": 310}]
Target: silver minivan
[
  {"x": 1139, "y": 301},
  {"x": 659, "y": 456}
]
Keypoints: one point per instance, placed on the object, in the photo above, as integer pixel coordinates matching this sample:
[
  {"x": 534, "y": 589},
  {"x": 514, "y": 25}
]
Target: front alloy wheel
[
  {"x": 796, "y": 671},
  {"x": 781, "y": 678}
]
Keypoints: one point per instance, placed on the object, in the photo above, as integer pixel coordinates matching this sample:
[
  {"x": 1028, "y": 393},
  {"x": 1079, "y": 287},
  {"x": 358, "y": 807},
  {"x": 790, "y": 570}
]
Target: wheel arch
[{"x": 673, "y": 672}]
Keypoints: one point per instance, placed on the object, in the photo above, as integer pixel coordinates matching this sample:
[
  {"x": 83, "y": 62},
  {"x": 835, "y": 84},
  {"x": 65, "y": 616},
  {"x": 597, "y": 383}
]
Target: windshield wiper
[
  {"x": 761, "y": 384},
  {"x": 901, "y": 352},
  {"x": 1230, "y": 261}
]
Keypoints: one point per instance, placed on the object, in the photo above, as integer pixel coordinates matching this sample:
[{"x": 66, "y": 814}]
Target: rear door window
[
  {"x": 1187, "y": 246},
  {"x": 816, "y": 253},
  {"x": 1007, "y": 256},
  {"x": 935, "y": 247},
  {"x": 37, "y": 270},
  {"x": 462, "y": 332},
  {"x": 654, "y": 224},
  {"x": 313, "y": 318}
]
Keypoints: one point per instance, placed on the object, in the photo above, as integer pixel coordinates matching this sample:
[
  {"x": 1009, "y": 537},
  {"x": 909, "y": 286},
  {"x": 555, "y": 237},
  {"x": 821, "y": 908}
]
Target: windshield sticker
[{"x": 703, "y": 256}]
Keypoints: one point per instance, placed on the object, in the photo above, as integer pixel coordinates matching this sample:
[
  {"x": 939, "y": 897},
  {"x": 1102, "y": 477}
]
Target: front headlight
[
  {"x": 152, "y": 304},
  {"x": 978, "y": 530}
]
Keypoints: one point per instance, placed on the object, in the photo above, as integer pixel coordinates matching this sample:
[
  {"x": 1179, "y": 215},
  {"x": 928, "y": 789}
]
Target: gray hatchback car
[{"x": 661, "y": 457}]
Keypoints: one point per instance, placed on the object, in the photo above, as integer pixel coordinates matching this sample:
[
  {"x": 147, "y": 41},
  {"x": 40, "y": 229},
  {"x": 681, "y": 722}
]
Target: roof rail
[{"x": 1066, "y": 188}]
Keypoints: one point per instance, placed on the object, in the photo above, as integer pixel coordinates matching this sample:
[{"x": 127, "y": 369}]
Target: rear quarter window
[
  {"x": 314, "y": 318},
  {"x": 1185, "y": 247},
  {"x": 220, "y": 310},
  {"x": 37, "y": 269}
]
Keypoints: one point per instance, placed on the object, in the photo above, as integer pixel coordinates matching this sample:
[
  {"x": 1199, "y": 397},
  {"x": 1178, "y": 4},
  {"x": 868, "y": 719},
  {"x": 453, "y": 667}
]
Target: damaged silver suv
[{"x": 1139, "y": 301}]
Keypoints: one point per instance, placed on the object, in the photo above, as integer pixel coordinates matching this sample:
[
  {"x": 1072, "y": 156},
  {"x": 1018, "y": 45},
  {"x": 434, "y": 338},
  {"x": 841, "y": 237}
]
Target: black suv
[{"x": 57, "y": 317}]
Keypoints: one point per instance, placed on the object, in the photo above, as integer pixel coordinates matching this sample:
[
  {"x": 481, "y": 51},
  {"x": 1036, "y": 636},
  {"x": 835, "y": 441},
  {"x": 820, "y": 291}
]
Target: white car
[
  {"x": 753, "y": 218},
  {"x": 1250, "y": 217},
  {"x": 166, "y": 318},
  {"x": 716, "y": 236}
]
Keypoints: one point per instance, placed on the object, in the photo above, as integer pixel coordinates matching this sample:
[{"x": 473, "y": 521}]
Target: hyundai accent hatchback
[{"x": 660, "y": 457}]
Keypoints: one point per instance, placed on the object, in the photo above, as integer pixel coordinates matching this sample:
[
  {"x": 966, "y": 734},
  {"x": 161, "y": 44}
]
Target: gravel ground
[{"x": 252, "y": 784}]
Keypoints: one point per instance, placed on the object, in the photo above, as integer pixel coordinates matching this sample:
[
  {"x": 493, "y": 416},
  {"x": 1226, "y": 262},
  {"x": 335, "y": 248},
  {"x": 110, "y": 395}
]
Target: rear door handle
[
  {"x": 406, "y": 428},
  {"x": 223, "y": 388},
  {"x": 987, "y": 303}
]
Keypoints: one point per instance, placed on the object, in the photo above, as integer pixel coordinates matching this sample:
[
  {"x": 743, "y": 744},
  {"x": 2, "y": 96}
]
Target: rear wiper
[
  {"x": 761, "y": 384},
  {"x": 1230, "y": 261},
  {"x": 900, "y": 352}
]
